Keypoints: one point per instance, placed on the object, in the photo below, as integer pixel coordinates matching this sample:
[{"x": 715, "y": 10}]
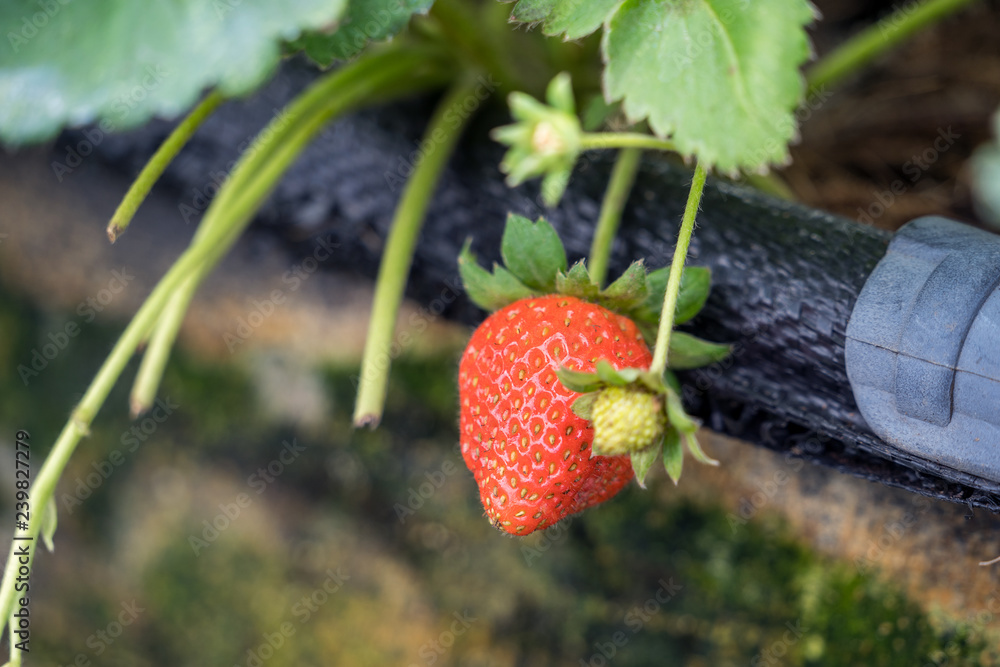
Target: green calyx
[
  {"x": 634, "y": 412},
  {"x": 535, "y": 264}
]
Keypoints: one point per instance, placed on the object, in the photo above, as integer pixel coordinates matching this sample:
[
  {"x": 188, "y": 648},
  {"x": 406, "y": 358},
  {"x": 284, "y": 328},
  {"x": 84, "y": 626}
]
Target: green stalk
[
  {"x": 442, "y": 134},
  {"x": 380, "y": 73},
  {"x": 158, "y": 163},
  {"x": 465, "y": 30},
  {"x": 620, "y": 184},
  {"x": 342, "y": 90},
  {"x": 659, "y": 364},
  {"x": 875, "y": 40},
  {"x": 598, "y": 140}
]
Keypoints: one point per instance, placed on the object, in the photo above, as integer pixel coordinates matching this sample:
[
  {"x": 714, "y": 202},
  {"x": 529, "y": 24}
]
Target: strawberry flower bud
[{"x": 545, "y": 140}]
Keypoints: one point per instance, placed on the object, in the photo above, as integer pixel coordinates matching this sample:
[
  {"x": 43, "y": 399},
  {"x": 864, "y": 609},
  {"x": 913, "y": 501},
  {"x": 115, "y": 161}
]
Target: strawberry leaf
[
  {"x": 628, "y": 291},
  {"x": 489, "y": 291},
  {"x": 366, "y": 21},
  {"x": 533, "y": 252},
  {"x": 577, "y": 282},
  {"x": 696, "y": 282},
  {"x": 578, "y": 381},
  {"x": 612, "y": 376},
  {"x": 695, "y": 286},
  {"x": 699, "y": 454},
  {"x": 583, "y": 407},
  {"x": 673, "y": 454},
  {"x": 687, "y": 351},
  {"x": 579, "y": 18},
  {"x": 719, "y": 77},
  {"x": 574, "y": 18},
  {"x": 677, "y": 416},
  {"x": 121, "y": 63},
  {"x": 532, "y": 11},
  {"x": 643, "y": 460}
]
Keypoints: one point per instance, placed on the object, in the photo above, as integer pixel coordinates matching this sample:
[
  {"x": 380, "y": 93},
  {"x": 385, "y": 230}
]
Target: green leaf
[
  {"x": 489, "y": 291},
  {"x": 610, "y": 375},
  {"x": 583, "y": 407},
  {"x": 628, "y": 291},
  {"x": 671, "y": 381},
  {"x": 366, "y": 21},
  {"x": 673, "y": 454},
  {"x": 49, "y": 521},
  {"x": 697, "y": 451},
  {"x": 687, "y": 351},
  {"x": 577, "y": 282},
  {"x": 578, "y": 381},
  {"x": 532, "y": 11},
  {"x": 596, "y": 113},
  {"x": 121, "y": 63},
  {"x": 678, "y": 416},
  {"x": 579, "y": 18},
  {"x": 574, "y": 18},
  {"x": 696, "y": 283},
  {"x": 643, "y": 460},
  {"x": 533, "y": 252},
  {"x": 719, "y": 77}
]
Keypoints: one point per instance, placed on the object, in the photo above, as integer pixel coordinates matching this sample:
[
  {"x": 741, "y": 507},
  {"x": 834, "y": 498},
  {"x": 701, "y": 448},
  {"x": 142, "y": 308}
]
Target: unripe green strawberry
[
  {"x": 528, "y": 451},
  {"x": 626, "y": 420}
]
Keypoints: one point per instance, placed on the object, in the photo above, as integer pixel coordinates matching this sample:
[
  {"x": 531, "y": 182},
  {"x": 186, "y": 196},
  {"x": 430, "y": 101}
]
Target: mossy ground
[{"x": 370, "y": 548}]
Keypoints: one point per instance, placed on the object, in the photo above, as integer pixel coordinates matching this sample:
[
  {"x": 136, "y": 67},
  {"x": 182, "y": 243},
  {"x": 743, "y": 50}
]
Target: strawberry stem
[
  {"x": 440, "y": 136},
  {"x": 659, "y": 364},
  {"x": 619, "y": 186},
  {"x": 876, "y": 39},
  {"x": 163, "y": 156},
  {"x": 388, "y": 71},
  {"x": 599, "y": 140}
]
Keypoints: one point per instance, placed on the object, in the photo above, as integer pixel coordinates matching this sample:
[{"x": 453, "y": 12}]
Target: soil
[{"x": 892, "y": 143}]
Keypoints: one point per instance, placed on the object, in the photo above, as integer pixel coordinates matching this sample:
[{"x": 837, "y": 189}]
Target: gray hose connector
[{"x": 923, "y": 345}]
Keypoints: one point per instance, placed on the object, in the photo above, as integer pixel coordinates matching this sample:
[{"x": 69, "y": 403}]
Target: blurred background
[{"x": 244, "y": 522}]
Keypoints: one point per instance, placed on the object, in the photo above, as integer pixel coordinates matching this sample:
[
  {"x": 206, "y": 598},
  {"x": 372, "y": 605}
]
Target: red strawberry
[{"x": 528, "y": 451}]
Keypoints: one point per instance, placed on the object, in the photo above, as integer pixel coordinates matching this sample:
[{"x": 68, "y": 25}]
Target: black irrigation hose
[{"x": 785, "y": 277}]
